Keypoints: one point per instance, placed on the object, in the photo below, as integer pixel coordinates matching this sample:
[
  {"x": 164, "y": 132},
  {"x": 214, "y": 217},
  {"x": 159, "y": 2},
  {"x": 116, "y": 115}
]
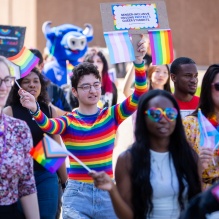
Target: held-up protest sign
[
  {"x": 11, "y": 40},
  {"x": 124, "y": 20},
  {"x": 135, "y": 16}
]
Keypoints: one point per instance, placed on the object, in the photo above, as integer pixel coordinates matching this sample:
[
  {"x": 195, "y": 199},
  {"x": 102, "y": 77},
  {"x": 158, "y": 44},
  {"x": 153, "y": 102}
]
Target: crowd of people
[{"x": 162, "y": 175}]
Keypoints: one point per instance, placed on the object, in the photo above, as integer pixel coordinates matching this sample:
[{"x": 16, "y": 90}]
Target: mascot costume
[{"x": 66, "y": 43}]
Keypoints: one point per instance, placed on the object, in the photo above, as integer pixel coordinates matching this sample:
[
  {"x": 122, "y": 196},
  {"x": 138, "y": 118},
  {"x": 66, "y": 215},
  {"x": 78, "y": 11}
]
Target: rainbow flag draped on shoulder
[{"x": 161, "y": 46}]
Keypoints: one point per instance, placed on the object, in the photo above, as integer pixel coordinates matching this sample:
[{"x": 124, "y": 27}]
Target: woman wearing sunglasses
[
  {"x": 209, "y": 105},
  {"x": 158, "y": 175}
]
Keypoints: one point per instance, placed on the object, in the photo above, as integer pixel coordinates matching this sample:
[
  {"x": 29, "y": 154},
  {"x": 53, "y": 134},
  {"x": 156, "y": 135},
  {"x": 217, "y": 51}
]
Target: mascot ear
[
  {"x": 47, "y": 31},
  {"x": 88, "y": 32}
]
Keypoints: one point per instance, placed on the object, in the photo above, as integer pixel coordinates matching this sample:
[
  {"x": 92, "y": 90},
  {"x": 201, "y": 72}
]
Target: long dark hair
[
  {"x": 150, "y": 71},
  {"x": 206, "y": 103},
  {"x": 106, "y": 82},
  {"x": 184, "y": 159},
  {"x": 14, "y": 97}
]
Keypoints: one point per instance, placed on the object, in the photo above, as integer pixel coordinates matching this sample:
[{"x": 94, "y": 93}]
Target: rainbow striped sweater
[{"x": 91, "y": 137}]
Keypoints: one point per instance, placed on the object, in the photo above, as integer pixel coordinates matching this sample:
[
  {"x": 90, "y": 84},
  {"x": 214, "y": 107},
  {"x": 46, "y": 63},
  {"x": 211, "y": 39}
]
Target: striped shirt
[{"x": 91, "y": 137}]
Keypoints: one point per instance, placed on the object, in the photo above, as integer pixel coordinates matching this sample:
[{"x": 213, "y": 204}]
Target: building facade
[{"x": 193, "y": 23}]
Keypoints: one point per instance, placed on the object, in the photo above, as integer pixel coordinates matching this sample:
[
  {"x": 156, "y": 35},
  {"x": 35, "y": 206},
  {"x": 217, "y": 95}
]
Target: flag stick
[
  {"x": 216, "y": 145},
  {"x": 213, "y": 161},
  {"x": 18, "y": 84},
  {"x": 79, "y": 161}
]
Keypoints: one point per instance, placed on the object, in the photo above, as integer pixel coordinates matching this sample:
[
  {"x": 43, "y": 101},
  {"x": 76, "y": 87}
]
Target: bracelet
[
  {"x": 63, "y": 185},
  {"x": 37, "y": 110}
]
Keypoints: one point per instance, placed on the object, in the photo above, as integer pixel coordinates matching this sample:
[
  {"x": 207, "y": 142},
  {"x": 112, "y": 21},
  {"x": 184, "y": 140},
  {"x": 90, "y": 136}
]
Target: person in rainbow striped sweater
[{"x": 89, "y": 133}]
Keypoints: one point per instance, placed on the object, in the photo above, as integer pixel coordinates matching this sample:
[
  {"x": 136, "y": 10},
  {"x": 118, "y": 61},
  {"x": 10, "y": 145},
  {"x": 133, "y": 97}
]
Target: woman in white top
[{"x": 159, "y": 173}]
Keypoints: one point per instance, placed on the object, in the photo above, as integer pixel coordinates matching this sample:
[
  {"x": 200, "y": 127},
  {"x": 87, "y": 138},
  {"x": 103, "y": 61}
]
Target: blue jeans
[
  {"x": 85, "y": 201},
  {"x": 47, "y": 193}
]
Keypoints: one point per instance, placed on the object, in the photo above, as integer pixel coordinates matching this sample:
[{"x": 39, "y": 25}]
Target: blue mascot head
[{"x": 67, "y": 42}]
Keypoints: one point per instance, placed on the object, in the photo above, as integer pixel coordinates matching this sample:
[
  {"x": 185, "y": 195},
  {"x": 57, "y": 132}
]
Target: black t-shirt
[
  {"x": 22, "y": 113},
  {"x": 57, "y": 97}
]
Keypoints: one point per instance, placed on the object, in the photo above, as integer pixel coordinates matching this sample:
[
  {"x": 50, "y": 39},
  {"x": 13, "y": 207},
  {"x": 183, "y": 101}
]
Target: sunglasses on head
[
  {"x": 156, "y": 114},
  {"x": 216, "y": 86}
]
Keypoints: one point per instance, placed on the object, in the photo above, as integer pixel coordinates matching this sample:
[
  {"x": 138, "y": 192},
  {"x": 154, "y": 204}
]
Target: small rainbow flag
[
  {"x": 49, "y": 153},
  {"x": 26, "y": 60},
  {"x": 69, "y": 68},
  {"x": 161, "y": 46}
]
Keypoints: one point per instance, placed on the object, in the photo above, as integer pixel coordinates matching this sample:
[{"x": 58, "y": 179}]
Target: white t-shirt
[{"x": 165, "y": 187}]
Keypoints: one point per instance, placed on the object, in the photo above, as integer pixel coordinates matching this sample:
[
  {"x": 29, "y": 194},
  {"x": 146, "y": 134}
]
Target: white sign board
[{"x": 135, "y": 16}]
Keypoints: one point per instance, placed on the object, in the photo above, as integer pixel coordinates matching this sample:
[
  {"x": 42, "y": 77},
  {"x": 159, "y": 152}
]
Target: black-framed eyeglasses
[
  {"x": 87, "y": 87},
  {"x": 9, "y": 81},
  {"x": 216, "y": 86}
]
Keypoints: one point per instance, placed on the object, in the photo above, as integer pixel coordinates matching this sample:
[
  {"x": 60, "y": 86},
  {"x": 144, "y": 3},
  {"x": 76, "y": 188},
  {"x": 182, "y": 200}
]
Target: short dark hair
[
  {"x": 175, "y": 66},
  {"x": 14, "y": 97},
  {"x": 38, "y": 54},
  {"x": 82, "y": 69}
]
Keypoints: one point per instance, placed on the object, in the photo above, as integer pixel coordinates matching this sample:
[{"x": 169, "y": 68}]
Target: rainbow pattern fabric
[
  {"x": 161, "y": 46},
  {"x": 49, "y": 154},
  {"x": 91, "y": 137},
  {"x": 69, "y": 68},
  {"x": 26, "y": 60}
]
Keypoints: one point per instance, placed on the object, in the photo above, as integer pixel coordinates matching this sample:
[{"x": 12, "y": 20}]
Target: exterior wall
[
  {"x": 20, "y": 13},
  {"x": 195, "y": 29},
  {"x": 193, "y": 23}
]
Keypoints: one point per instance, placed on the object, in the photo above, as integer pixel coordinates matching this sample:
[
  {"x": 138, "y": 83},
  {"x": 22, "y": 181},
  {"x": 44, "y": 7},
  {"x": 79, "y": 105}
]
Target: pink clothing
[{"x": 16, "y": 165}]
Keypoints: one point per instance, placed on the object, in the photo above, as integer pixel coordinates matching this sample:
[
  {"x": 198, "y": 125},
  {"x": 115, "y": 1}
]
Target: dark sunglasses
[
  {"x": 216, "y": 86},
  {"x": 156, "y": 114}
]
